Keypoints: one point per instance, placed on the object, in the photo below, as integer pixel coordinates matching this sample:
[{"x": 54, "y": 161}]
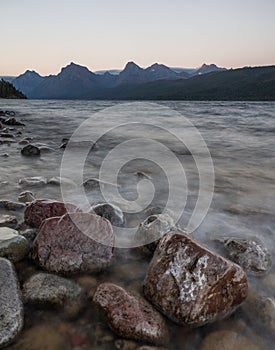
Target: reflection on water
[{"x": 240, "y": 137}]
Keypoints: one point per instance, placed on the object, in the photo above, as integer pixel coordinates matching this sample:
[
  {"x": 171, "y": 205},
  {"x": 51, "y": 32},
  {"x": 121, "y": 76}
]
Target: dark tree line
[{"x": 7, "y": 90}]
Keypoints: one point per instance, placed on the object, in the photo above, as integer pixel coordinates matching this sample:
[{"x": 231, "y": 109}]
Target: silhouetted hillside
[{"x": 7, "y": 90}]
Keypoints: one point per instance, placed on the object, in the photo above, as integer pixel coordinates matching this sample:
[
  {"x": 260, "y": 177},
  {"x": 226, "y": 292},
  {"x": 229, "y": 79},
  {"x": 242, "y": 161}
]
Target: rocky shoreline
[{"x": 58, "y": 288}]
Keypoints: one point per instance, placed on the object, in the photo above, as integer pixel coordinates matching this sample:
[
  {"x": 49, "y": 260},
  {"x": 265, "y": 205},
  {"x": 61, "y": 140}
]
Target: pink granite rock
[
  {"x": 70, "y": 244},
  {"x": 41, "y": 209},
  {"x": 130, "y": 316},
  {"x": 192, "y": 285}
]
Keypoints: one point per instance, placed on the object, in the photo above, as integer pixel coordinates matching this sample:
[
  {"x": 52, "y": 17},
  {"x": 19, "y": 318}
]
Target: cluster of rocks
[
  {"x": 185, "y": 282},
  {"x": 10, "y": 127}
]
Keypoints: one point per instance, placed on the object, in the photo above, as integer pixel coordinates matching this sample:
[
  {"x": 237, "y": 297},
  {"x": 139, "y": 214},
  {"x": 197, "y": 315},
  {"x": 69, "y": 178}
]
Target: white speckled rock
[
  {"x": 130, "y": 316},
  {"x": 192, "y": 285},
  {"x": 11, "y": 308}
]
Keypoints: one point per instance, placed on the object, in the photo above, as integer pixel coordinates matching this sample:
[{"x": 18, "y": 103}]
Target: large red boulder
[
  {"x": 130, "y": 316},
  {"x": 192, "y": 285},
  {"x": 41, "y": 209},
  {"x": 75, "y": 242}
]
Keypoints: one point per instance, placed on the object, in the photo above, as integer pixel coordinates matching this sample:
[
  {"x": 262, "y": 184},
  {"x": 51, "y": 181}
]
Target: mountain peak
[
  {"x": 132, "y": 65},
  {"x": 208, "y": 68}
]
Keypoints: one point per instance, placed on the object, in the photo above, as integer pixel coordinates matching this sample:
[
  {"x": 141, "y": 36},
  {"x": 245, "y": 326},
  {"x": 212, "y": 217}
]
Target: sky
[{"x": 105, "y": 34}]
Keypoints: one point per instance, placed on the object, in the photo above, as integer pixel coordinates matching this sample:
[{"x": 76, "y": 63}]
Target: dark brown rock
[
  {"x": 130, "y": 316},
  {"x": 192, "y": 285},
  {"x": 70, "y": 244},
  {"x": 41, "y": 209}
]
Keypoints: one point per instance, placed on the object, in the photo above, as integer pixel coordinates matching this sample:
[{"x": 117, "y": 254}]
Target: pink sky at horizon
[{"x": 46, "y": 36}]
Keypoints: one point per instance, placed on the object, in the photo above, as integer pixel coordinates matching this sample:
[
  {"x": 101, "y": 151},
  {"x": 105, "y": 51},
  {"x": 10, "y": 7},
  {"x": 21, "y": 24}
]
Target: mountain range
[
  {"x": 157, "y": 82},
  {"x": 75, "y": 81}
]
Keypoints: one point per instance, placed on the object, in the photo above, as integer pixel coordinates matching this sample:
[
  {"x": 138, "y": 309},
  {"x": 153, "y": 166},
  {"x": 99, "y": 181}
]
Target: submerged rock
[
  {"x": 110, "y": 212},
  {"x": 152, "y": 229},
  {"x": 251, "y": 254},
  {"x": 41, "y": 209},
  {"x": 9, "y": 205},
  {"x": 26, "y": 197},
  {"x": 42, "y": 337},
  {"x": 11, "y": 307},
  {"x": 33, "y": 181},
  {"x": 12, "y": 245},
  {"x": 192, "y": 285},
  {"x": 44, "y": 288},
  {"x": 30, "y": 150},
  {"x": 13, "y": 121},
  {"x": 260, "y": 311},
  {"x": 69, "y": 244},
  {"x": 8, "y": 221},
  {"x": 227, "y": 340},
  {"x": 130, "y": 316}
]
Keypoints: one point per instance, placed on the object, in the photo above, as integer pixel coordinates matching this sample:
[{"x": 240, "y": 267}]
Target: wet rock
[
  {"x": 8, "y": 221},
  {"x": 251, "y": 254},
  {"x": 123, "y": 344},
  {"x": 13, "y": 121},
  {"x": 30, "y": 150},
  {"x": 91, "y": 184},
  {"x": 41, "y": 209},
  {"x": 147, "y": 347},
  {"x": 69, "y": 244},
  {"x": 57, "y": 181},
  {"x": 152, "y": 229},
  {"x": 30, "y": 234},
  {"x": 7, "y": 135},
  {"x": 44, "y": 288},
  {"x": 23, "y": 142},
  {"x": 192, "y": 285},
  {"x": 130, "y": 316},
  {"x": 33, "y": 181},
  {"x": 9, "y": 205},
  {"x": 11, "y": 308},
  {"x": 42, "y": 337},
  {"x": 89, "y": 284},
  {"x": 227, "y": 340},
  {"x": 260, "y": 311},
  {"x": 110, "y": 212},
  {"x": 26, "y": 197},
  {"x": 12, "y": 246}
]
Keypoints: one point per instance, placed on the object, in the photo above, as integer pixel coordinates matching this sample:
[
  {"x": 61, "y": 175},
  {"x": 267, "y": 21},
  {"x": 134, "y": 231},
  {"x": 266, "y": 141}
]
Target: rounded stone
[
  {"x": 70, "y": 244},
  {"x": 8, "y": 221},
  {"x": 30, "y": 150},
  {"x": 41, "y": 209},
  {"x": 192, "y": 285},
  {"x": 110, "y": 212},
  {"x": 11, "y": 307},
  {"x": 26, "y": 197},
  {"x": 13, "y": 246},
  {"x": 130, "y": 316},
  {"x": 152, "y": 229},
  {"x": 44, "y": 288}
]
